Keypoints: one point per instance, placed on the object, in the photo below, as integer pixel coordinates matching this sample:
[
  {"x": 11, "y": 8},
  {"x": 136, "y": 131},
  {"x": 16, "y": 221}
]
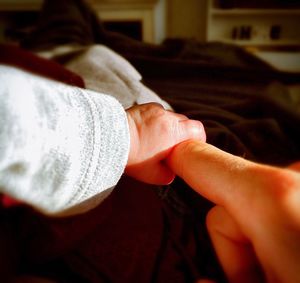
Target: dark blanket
[
  {"x": 243, "y": 102},
  {"x": 248, "y": 118},
  {"x": 140, "y": 233},
  {"x": 144, "y": 233}
]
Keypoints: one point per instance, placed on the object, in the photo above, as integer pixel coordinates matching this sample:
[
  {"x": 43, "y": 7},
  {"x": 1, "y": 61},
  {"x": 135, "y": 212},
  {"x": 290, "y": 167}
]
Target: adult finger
[
  {"x": 224, "y": 179},
  {"x": 234, "y": 251},
  {"x": 157, "y": 174},
  {"x": 295, "y": 166}
]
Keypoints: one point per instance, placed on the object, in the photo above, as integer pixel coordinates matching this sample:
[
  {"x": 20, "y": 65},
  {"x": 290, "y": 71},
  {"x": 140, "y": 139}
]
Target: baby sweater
[
  {"x": 62, "y": 148},
  {"x": 105, "y": 71}
]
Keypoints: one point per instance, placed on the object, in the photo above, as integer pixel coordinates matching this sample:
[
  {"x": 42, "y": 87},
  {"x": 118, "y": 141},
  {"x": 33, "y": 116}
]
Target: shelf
[
  {"x": 14, "y": 6},
  {"x": 281, "y": 42},
  {"x": 118, "y": 11},
  {"x": 284, "y": 61},
  {"x": 123, "y": 5},
  {"x": 248, "y": 12},
  {"x": 253, "y": 27}
]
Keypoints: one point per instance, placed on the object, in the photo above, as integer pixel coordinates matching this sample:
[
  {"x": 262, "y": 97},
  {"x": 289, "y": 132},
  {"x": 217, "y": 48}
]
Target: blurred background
[{"x": 270, "y": 29}]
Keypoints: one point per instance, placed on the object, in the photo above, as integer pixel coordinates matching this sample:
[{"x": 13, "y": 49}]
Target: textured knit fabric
[
  {"x": 103, "y": 70},
  {"x": 62, "y": 148}
]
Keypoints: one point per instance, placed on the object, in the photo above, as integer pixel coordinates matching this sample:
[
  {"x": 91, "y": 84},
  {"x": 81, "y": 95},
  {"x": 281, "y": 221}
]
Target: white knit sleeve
[{"x": 60, "y": 146}]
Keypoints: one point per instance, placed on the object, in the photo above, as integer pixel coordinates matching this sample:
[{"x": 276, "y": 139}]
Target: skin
[
  {"x": 154, "y": 132},
  {"x": 255, "y": 225}
]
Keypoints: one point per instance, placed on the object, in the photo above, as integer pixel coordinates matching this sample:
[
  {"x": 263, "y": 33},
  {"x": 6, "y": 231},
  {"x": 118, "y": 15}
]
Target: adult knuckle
[
  {"x": 212, "y": 218},
  {"x": 284, "y": 180},
  {"x": 278, "y": 194},
  {"x": 287, "y": 194},
  {"x": 281, "y": 183}
]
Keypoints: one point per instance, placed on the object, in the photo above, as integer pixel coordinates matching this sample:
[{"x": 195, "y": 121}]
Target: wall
[
  {"x": 160, "y": 21},
  {"x": 186, "y": 18},
  {"x": 172, "y": 18}
]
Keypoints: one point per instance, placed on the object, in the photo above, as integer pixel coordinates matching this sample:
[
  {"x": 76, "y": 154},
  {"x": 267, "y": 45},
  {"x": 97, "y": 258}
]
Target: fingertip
[
  {"x": 210, "y": 171},
  {"x": 161, "y": 175},
  {"x": 201, "y": 132},
  {"x": 181, "y": 153},
  {"x": 192, "y": 129},
  {"x": 165, "y": 176}
]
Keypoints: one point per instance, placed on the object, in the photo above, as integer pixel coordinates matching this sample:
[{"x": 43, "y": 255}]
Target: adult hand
[
  {"x": 255, "y": 225},
  {"x": 153, "y": 132}
]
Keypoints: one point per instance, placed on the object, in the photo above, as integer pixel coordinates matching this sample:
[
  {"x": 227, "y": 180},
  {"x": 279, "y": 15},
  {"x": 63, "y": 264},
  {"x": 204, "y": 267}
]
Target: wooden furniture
[
  {"x": 141, "y": 12},
  {"x": 20, "y": 5},
  {"x": 253, "y": 27}
]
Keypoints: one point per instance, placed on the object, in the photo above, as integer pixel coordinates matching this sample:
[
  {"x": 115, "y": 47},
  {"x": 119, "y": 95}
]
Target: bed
[{"x": 145, "y": 233}]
